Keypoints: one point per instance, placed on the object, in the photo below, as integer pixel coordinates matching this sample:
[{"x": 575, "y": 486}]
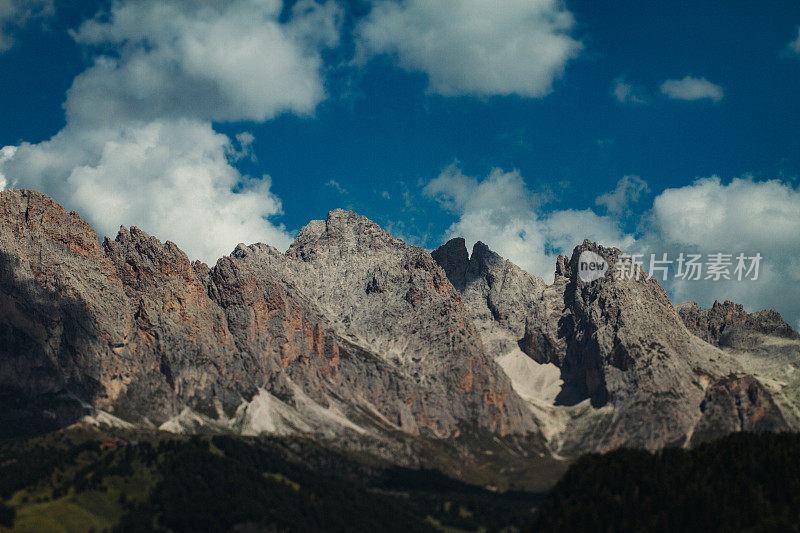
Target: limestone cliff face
[
  {"x": 629, "y": 371},
  {"x": 761, "y": 343},
  {"x": 623, "y": 337},
  {"x": 353, "y": 334},
  {"x": 350, "y": 329},
  {"x": 428, "y": 369},
  {"x": 500, "y": 296},
  {"x": 129, "y": 326},
  {"x": 728, "y": 324},
  {"x": 53, "y": 341},
  {"x": 737, "y": 404}
]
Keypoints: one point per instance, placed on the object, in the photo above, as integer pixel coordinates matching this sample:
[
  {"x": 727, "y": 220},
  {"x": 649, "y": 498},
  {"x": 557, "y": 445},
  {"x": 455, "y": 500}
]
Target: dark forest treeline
[
  {"x": 226, "y": 483},
  {"x": 743, "y": 482}
]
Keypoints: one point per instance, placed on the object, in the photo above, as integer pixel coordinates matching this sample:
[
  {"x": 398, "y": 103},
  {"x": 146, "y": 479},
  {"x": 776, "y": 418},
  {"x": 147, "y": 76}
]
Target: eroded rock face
[
  {"x": 762, "y": 343},
  {"x": 728, "y": 324},
  {"x": 128, "y": 326},
  {"x": 619, "y": 331},
  {"x": 737, "y": 404},
  {"x": 352, "y": 332},
  {"x": 350, "y": 325},
  {"x": 631, "y": 374},
  {"x": 499, "y": 295},
  {"x": 53, "y": 340},
  {"x": 393, "y": 301},
  {"x": 454, "y": 259}
]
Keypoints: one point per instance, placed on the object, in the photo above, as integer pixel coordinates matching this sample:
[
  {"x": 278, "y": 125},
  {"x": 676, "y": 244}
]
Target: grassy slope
[
  {"x": 72, "y": 498},
  {"x": 66, "y": 482}
]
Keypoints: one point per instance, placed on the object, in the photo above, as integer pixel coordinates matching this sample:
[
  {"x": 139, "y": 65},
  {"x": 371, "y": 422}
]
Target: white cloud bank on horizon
[
  {"x": 474, "y": 47},
  {"x": 708, "y": 216},
  {"x": 139, "y": 146},
  {"x": 691, "y": 88}
]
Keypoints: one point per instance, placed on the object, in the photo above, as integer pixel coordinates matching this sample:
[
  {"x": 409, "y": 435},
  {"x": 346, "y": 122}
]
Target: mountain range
[{"x": 357, "y": 339}]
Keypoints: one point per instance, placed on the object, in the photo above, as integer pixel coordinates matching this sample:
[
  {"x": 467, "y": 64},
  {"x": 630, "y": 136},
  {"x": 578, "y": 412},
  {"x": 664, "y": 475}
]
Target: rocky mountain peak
[
  {"x": 340, "y": 234},
  {"x": 621, "y": 276},
  {"x": 394, "y": 300},
  {"x": 350, "y": 324},
  {"x": 561, "y": 266},
  {"x": 140, "y": 256},
  {"x": 612, "y": 256},
  {"x": 609, "y": 254},
  {"x": 500, "y": 296},
  {"x": 728, "y": 324},
  {"x": 483, "y": 260},
  {"x": 461, "y": 267},
  {"x": 354, "y": 332},
  {"x": 617, "y": 343},
  {"x": 32, "y": 215},
  {"x": 454, "y": 259}
]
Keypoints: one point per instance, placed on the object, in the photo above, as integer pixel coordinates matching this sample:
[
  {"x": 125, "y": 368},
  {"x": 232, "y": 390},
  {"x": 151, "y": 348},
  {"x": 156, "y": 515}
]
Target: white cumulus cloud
[
  {"x": 628, "y": 190},
  {"x": 501, "y": 211},
  {"x": 743, "y": 216},
  {"x": 219, "y": 61},
  {"x": 171, "y": 178},
  {"x": 336, "y": 186},
  {"x": 6, "y": 153},
  {"x": 691, "y": 88},
  {"x": 474, "y": 47},
  {"x": 706, "y": 217},
  {"x": 742, "y": 212},
  {"x": 16, "y": 13},
  {"x": 794, "y": 46},
  {"x": 625, "y": 93},
  {"x": 139, "y": 147}
]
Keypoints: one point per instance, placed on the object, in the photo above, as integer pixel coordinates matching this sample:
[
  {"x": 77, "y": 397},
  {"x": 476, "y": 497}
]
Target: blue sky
[{"x": 501, "y": 121}]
